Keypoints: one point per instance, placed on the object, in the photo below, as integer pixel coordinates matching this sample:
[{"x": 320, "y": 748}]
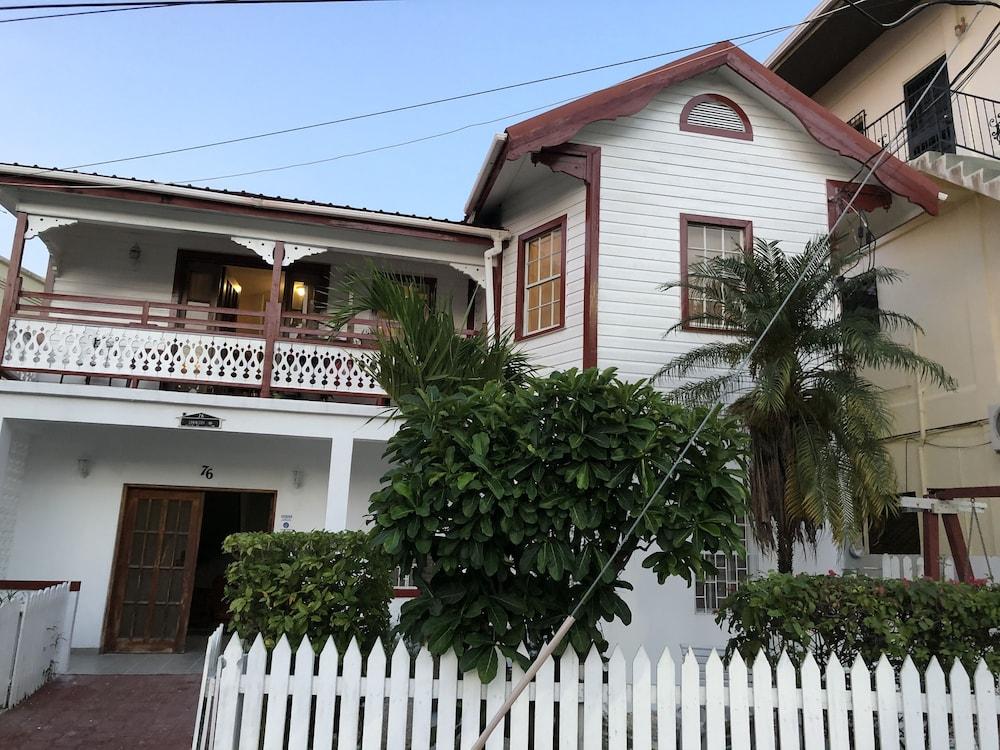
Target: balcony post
[
  {"x": 338, "y": 489},
  {"x": 13, "y": 287},
  {"x": 272, "y": 320}
]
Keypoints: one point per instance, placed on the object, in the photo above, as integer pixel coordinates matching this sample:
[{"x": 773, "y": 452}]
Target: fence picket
[
  {"x": 642, "y": 701},
  {"x": 519, "y": 711},
  {"x": 763, "y": 704},
  {"x": 836, "y": 705},
  {"x": 495, "y": 696},
  {"x": 277, "y": 696},
  {"x": 350, "y": 697},
  {"x": 569, "y": 699},
  {"x": 42, "y": 624},
  {"x": 447, "y": 701},
  {"x": 229, "y": 694},
  {"x": 961, "y": 705},
  {"x": 739, "y": 703},
  {"x": 617, "y": 701},
  {"x": 937, "y": 708},
  {"x": 813, "y": 729},
  {"x": 986, "y": 707},
  {"x": 423, "y": 693},
  {"x": 399, "y": 698},
  {"x": 545, "y": 705},
  {"x": 888, "y": 712},
  {"x": 861, "y": 706},
  {"x": 199, "y": 738},
  {"x": 715, "y": 702},
  {"x": 593, "y": 701},
  {"x": 301, "y": 690},
  {"x": 690, "y": 703},
  {"x": 717, "y": 709},
  {"x": 913, "y": 715},
  {"x": 788, "y": 707},
  {"x": 326, "y": 694},
  {"x": 472, "y": 702},
  {"x": 666, "y": 702},
  {"x": 253, "y": 695}
]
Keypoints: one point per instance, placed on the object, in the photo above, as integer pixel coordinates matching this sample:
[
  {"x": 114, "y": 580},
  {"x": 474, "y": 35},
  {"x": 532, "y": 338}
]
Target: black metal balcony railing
[{"x": 966, "y": 123}]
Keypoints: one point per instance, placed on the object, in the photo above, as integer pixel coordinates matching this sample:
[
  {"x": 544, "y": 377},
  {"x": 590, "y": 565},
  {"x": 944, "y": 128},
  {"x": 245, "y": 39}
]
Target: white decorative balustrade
[
  {"x": 136, "y": 341},
  {"x": 315, "y": 366},
  {"x": 54, "y": 345}
]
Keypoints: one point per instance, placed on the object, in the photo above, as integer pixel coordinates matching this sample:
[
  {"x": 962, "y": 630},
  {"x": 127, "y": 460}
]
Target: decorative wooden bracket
[
  {"x": 265, "y": 249},
  {"x": 474, "y": 271},
  {"x": 39, "y": 224}
]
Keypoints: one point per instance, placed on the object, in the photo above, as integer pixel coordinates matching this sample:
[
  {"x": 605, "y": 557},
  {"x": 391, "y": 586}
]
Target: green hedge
[
  {"x": 315, "y": 583},
  {"x": 850, "y": 615}
]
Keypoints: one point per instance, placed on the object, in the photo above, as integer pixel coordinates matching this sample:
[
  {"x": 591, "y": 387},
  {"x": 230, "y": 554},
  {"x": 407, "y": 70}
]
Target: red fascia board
[{"x": 563, "y": 123}]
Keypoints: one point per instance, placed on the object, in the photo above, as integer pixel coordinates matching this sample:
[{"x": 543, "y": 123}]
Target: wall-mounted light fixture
[
  {"x": 298, "y": 478},
  {"x": 83, "y": 467},
  {"x": 135, "y": 253}
]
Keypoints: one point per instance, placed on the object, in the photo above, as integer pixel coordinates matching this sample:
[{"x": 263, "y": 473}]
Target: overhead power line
[
  {"x": 742, "y": 39},
  {"x": 105, "y": 7}
]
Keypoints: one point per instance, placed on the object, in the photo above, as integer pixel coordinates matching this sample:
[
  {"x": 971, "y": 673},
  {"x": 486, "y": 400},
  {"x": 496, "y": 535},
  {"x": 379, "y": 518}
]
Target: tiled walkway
[{"x": 105, "y": 712}]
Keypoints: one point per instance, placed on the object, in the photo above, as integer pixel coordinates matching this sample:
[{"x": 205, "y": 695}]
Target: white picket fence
[
  {"x": 282, "y": 699},
  {"x": 34, "y": 638}
]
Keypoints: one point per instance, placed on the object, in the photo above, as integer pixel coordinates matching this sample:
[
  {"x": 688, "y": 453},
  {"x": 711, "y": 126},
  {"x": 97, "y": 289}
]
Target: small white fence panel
[
  {"x": 33, "y": 628},
  {"x": 296, "y": 700}
]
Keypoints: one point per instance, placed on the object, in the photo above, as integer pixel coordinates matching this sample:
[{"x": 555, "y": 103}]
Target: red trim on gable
[
  {"x": 560, "y": 224},
  {"x": 746, "y": 135},
  {"x": 563, "y": 123}
]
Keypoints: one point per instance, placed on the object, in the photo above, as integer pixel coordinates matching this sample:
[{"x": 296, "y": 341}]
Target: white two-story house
[{"x": 175, "y": 381}]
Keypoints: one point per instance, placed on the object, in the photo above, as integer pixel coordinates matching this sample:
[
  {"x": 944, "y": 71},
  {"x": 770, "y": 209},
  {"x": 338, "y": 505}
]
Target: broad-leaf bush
[
  {"x": 510, "y": 500},
  {"x": 851, "y": 615},
  {"x": 315, "y": 583}
]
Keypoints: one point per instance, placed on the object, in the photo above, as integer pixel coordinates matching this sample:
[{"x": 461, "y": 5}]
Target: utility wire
[
  {"x": 745, "y": 38},
  {"x": 741, "y": 369},
  {"x": 129, "y": 6}
]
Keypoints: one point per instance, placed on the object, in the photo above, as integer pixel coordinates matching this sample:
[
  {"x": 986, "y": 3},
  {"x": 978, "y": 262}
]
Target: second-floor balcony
[
  {"x": 946, "y": 121},
  {"x": 194, "y": 298},
  {"x": 185, "y": 345}
]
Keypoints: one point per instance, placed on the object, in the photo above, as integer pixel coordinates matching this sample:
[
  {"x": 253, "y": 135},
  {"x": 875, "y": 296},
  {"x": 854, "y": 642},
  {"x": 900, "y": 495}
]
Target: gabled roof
[{"x": 561, "y": 124}]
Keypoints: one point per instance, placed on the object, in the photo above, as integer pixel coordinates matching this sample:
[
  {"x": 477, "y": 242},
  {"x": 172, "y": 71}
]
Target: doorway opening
[
  {"x": 223, "y": 513},
  {"x": 169, "y": 565}
]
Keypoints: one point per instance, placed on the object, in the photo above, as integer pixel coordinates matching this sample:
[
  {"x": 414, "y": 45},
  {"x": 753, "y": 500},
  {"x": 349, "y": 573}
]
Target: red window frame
[
  {"x": 519, "y": 320},
  {"x": 744, "y": 224}
]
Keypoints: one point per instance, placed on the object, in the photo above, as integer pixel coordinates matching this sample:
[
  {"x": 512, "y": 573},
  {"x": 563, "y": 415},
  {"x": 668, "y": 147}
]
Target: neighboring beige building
[
  {"x": 872, "y": 77},
  {"x": 30, "y": 282}
]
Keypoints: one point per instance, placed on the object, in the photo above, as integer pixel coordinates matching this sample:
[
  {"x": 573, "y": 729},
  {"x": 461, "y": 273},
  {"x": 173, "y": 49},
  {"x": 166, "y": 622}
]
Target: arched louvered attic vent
[{"x": 714, "y": 114}]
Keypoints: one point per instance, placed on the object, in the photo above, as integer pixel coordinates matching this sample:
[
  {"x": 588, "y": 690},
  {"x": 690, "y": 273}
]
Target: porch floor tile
[{"x": 152, "y": 712}]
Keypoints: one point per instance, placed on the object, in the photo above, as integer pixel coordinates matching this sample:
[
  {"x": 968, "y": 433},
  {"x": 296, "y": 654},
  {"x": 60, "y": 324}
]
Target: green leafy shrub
[
  {"x": 512, "y": 499},
  {"x": 315, "y": 583},
  {"x": 850, "y": 615}
]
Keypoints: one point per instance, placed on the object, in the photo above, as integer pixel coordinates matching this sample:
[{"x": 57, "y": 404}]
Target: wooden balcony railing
[{"x": 141, "y": 340}]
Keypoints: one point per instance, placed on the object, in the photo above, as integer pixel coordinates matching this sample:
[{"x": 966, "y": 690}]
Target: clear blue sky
[{"x": 98, "y": 87}]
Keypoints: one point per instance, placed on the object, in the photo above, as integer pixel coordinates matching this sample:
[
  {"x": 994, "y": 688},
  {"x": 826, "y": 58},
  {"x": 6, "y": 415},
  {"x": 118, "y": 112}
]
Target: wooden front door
[{"x": 154, "y": 570}]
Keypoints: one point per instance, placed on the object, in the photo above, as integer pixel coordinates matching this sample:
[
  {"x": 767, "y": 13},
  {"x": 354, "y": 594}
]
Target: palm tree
[
  {"x": 417, "y": 345},
  {"x": 816, "y": 423}
]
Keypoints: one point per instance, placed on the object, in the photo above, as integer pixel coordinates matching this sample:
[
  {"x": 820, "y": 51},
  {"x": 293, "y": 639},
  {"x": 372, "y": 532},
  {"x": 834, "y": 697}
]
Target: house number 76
[{"x": 207, "y": 471}]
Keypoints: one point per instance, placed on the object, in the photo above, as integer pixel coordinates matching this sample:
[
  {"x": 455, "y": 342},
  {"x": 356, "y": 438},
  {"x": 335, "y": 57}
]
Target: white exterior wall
[
  {"x": 67, "y": 525},
  {"x": 651, "y": 172},
  {"x": 554, "y": 196}
]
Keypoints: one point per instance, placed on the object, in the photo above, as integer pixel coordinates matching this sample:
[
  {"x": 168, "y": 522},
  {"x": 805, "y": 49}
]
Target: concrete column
[{"x": 338, "y": 488}]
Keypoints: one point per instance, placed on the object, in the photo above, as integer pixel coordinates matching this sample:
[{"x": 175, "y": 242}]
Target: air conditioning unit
[{"x": 994, "y": 420}]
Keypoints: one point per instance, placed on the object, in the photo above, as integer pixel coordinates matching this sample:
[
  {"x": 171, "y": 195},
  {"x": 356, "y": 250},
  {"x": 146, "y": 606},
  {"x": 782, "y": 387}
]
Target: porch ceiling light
[
  {"x": 135, "y": 253},
  {"x": 83, "y": 466}
]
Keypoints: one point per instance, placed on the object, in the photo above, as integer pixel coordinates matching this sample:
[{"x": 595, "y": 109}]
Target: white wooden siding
[
  {"x": 651, "y": 172},
  {"x": 553, "y": 196}
]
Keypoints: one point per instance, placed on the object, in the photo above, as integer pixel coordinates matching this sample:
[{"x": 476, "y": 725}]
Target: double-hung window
[
  {"x": 704, "y": 238},
  {"x": 541, "y": 274}
]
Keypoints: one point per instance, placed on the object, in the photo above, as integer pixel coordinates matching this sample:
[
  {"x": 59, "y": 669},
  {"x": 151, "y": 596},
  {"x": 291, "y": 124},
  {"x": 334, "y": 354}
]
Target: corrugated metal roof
[{"x": 56, "y": 173}]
